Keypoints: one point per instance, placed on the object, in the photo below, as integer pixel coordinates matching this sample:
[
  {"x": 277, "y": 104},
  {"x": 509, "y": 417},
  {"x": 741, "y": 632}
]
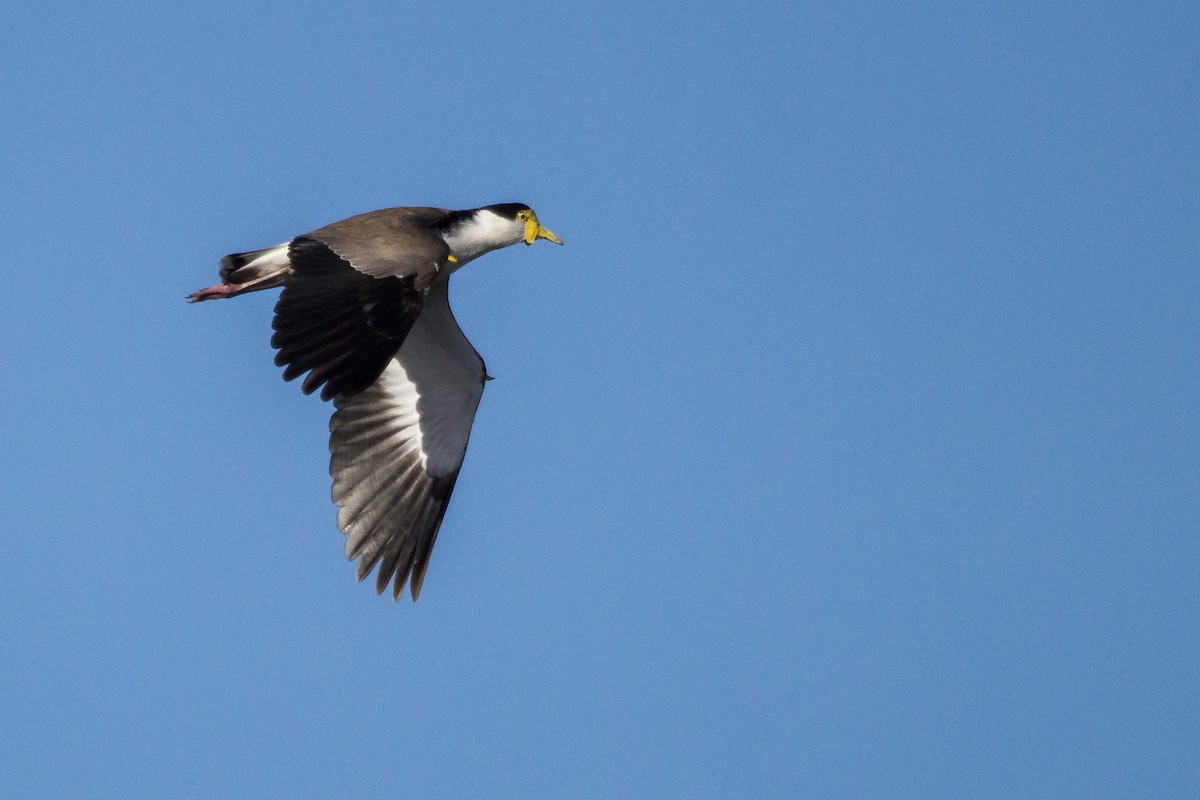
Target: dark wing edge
[
  {"x": 397, "y": 448},
  {"x": 390, "y": 507}
]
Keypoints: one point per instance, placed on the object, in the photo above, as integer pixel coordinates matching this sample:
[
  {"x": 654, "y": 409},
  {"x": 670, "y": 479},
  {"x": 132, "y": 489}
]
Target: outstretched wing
[{"x": 397, "y": 446}]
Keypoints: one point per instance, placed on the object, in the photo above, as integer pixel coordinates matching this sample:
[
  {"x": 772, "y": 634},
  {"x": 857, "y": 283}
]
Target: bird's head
[{"x": 525, "y": 225}]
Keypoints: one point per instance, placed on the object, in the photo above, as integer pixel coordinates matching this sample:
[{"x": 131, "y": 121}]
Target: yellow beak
[{"x": 535, "y": 231}]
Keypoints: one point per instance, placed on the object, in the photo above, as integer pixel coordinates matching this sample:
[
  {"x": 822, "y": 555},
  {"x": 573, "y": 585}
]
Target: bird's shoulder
[
  {"x": 400, "y": 219},
  {"x": 390, "y": 241}
]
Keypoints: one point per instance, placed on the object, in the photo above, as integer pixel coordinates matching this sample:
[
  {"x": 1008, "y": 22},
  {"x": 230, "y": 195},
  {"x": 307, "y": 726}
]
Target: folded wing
[{"x": 353, "y": 291}]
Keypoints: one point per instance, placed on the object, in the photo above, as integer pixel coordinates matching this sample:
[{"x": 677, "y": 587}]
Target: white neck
[{"x": 482, "y": 233}]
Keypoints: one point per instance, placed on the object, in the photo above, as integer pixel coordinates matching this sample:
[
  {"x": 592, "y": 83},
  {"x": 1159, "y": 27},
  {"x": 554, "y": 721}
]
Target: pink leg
[
  {"x": 214, "y": 292},
  {"x": 268, "y": 281}
]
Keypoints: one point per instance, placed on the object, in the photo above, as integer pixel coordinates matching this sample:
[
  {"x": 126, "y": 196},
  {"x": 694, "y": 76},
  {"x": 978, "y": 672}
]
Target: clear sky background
[{"x": 849, "y": 448}]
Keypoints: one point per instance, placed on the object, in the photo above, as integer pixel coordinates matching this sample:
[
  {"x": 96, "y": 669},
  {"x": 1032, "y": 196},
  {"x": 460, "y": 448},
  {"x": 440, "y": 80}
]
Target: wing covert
[{"x": 393, "y": 242}]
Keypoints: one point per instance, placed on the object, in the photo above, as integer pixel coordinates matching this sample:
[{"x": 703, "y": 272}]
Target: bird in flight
[{"x": 365, "y": 317}]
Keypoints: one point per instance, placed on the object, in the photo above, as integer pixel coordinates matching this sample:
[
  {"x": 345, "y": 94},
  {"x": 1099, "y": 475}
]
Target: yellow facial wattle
[{"x": 535, "y": 231}]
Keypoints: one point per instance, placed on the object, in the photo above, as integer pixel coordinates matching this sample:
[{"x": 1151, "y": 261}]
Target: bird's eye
[{"x": 522, "y": 215}]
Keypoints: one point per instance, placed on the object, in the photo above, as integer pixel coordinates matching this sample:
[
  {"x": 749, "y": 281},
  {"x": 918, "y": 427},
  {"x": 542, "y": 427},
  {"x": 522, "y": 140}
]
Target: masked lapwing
[{"x": 365, "y": 317}]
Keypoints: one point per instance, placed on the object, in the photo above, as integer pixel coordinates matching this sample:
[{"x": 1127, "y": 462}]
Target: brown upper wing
[{"x": 394, "y": 242}]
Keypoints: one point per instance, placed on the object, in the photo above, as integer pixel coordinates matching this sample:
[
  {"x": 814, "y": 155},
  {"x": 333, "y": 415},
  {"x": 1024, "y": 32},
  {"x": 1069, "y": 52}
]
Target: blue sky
[{"x": 849, "y": 448}]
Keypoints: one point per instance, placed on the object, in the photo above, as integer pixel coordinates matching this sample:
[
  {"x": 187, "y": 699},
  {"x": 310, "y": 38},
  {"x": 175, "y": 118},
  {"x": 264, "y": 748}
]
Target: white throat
[{"x": 482, "y": 233}]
